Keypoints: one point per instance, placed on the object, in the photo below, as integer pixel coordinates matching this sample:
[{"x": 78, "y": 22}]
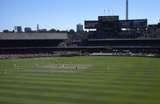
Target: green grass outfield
[{"x": 105, "y": 80}]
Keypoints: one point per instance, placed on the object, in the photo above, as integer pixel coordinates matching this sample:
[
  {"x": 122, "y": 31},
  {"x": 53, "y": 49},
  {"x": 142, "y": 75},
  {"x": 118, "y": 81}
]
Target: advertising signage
[
  {"x": 108, "y": 18},
  {"x": 141, "y": 23},
  {"x": 91, "y": 24}
]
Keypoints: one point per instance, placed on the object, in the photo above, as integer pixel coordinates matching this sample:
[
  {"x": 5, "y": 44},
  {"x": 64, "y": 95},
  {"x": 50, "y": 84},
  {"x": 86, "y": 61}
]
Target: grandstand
[{"x": 29, "y": 42}]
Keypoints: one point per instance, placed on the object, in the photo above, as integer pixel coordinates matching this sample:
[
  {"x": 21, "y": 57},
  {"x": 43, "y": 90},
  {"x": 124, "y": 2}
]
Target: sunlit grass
[{"x": 107, "y": 80}]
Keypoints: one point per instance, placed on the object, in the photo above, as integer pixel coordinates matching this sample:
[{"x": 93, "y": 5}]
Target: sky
[{"x": 65, "y": 14}]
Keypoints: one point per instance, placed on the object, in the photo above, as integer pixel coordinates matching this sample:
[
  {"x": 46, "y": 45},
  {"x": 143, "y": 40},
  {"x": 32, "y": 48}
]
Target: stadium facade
[
  {"x": 133, "y": 35},
  {"x": 112, "y": 27}
]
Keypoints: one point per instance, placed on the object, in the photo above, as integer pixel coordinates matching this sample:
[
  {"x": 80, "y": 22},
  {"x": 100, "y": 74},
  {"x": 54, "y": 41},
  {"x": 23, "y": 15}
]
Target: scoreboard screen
[{"x": 91, "y": 24}]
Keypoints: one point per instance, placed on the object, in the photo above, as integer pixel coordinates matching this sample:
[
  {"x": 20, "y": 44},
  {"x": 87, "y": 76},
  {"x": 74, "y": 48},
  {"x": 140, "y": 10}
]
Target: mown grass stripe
[
  {"x": 77, "y": 89},
  {"x": 50, "y": 96}
]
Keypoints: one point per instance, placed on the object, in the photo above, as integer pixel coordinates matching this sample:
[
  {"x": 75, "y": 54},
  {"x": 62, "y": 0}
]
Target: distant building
[
  {"x": 42, "y": 30},
  {"x": 18, "y": 29},
  {"x": 27, "y": 29},
  {"x": 37, "y": 27},
  {"x": 6, "y": 31},
  {"x": 80, "y": 28}
]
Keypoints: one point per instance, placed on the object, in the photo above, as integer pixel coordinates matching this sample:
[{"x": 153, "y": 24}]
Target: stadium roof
[{"x": 33, "y": 36}]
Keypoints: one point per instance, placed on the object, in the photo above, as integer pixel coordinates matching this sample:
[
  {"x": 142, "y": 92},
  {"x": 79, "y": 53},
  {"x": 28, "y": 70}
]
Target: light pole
[{"x": 126, "y": 9}]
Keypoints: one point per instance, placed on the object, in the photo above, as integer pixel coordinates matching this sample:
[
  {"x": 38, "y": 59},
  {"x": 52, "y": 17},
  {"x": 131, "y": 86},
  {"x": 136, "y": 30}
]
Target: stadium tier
[
  {"x": 30, "y": 42},
  {"x": 12, "y": 40}
]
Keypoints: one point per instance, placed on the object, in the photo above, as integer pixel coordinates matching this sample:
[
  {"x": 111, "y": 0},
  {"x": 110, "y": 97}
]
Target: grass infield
[{"x": 80, "y": 80}]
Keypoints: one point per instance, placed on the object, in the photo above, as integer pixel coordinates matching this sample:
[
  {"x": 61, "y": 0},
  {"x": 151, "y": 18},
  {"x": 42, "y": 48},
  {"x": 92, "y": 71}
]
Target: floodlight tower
[{"x": 126, "y": 9}]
